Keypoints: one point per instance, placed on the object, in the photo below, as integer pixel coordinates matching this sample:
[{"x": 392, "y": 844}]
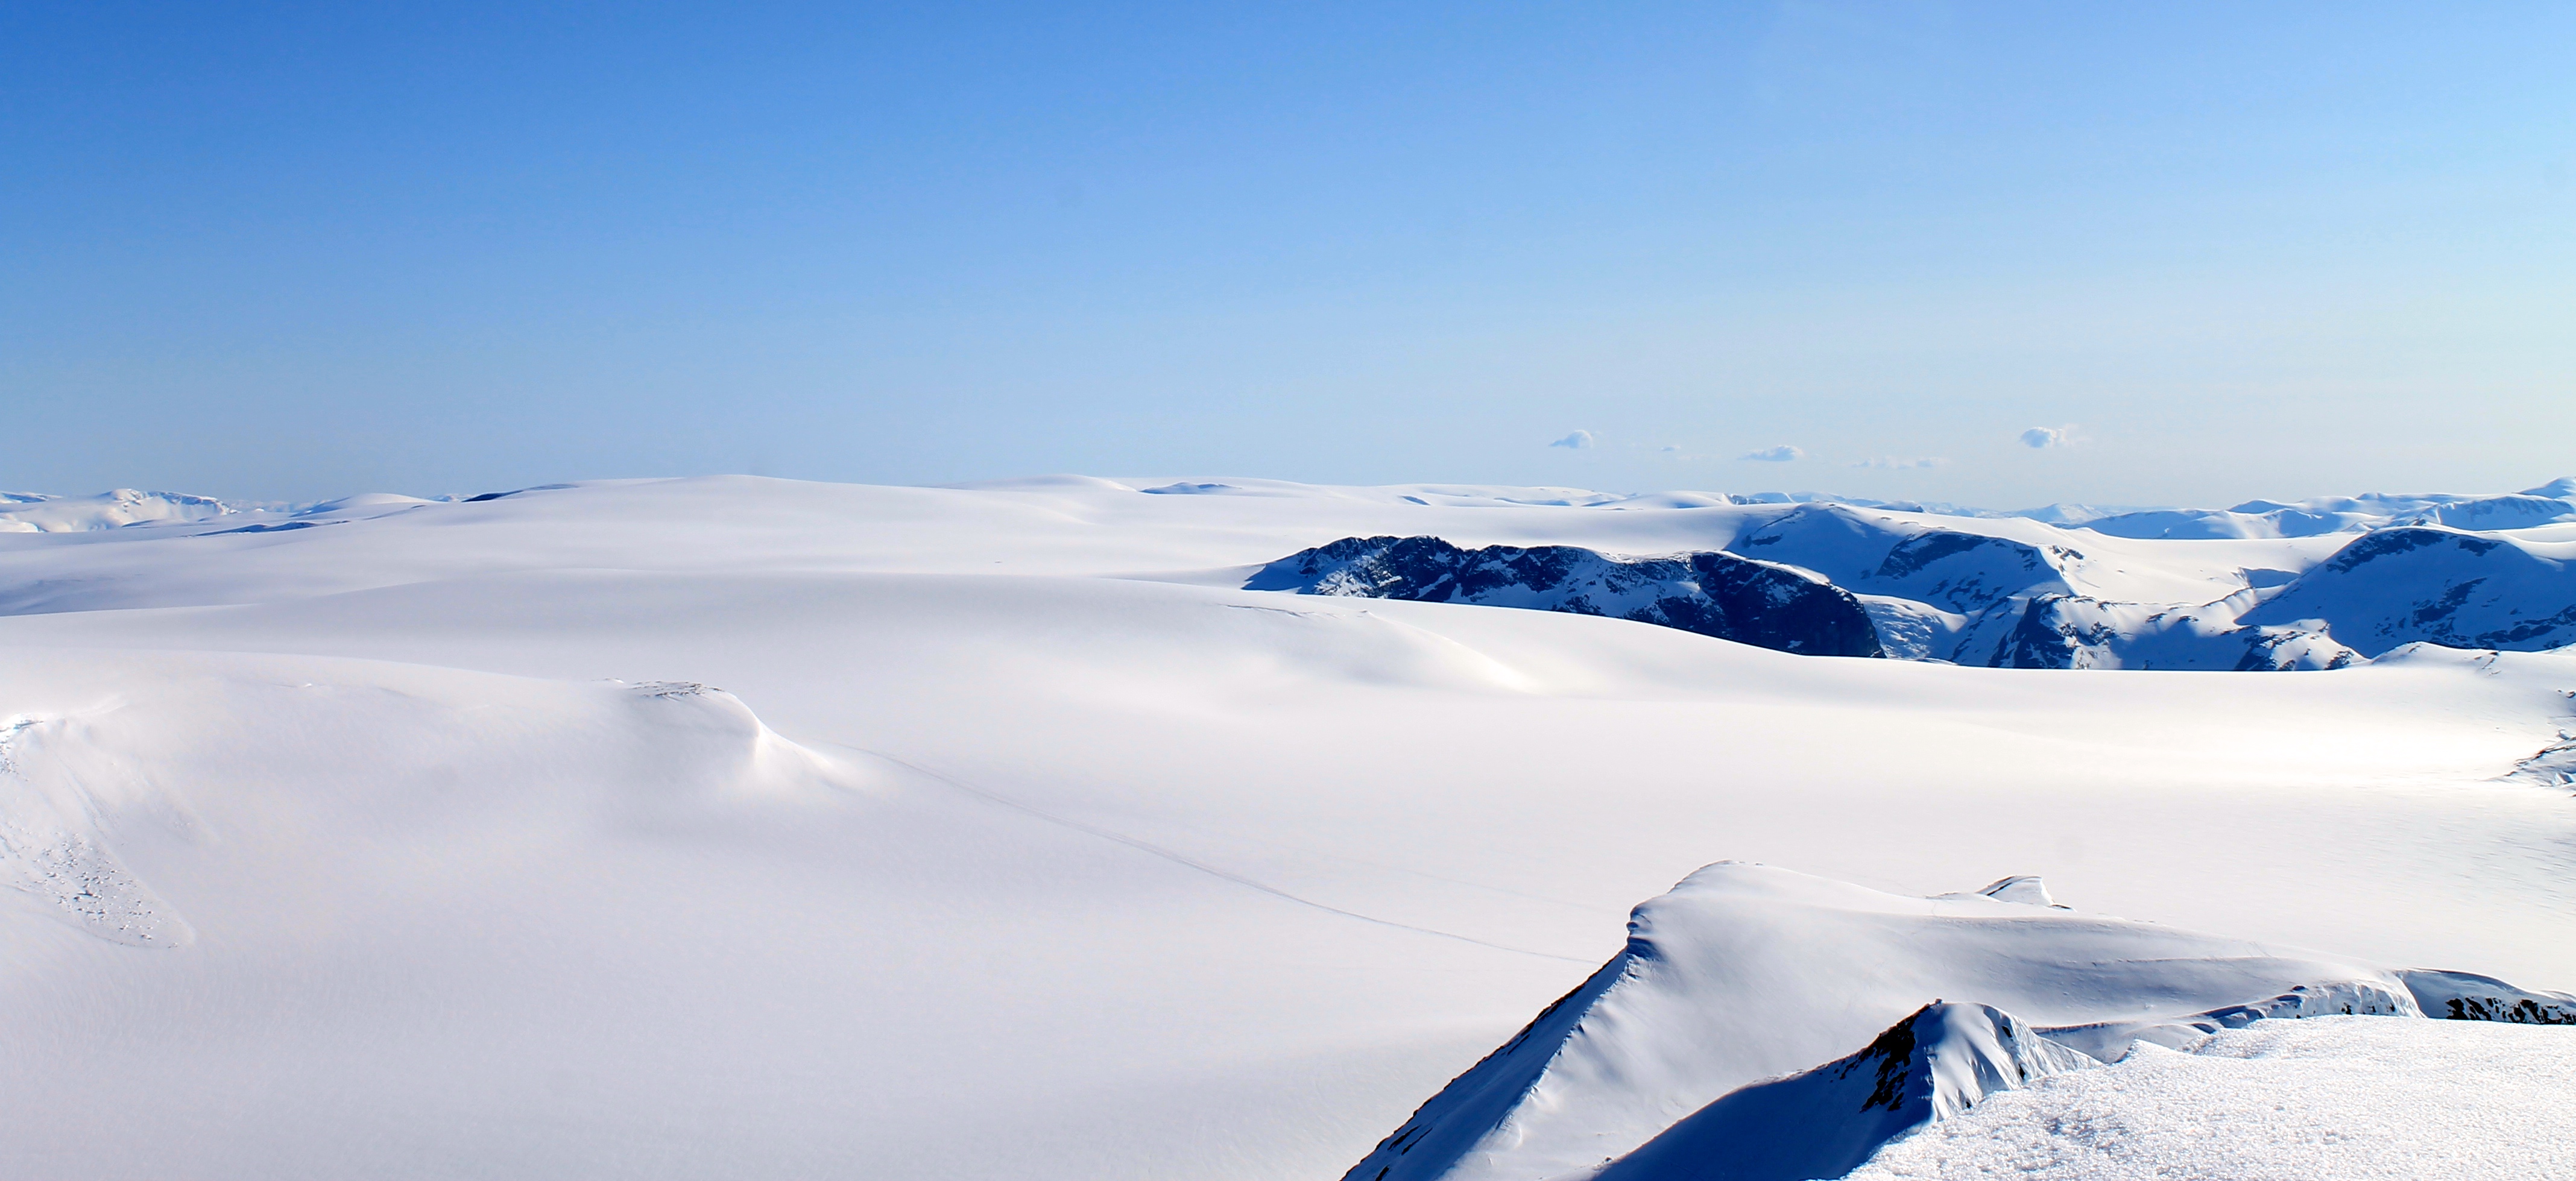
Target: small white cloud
[
  {"x": 2049, "y": 436},
  {"x": 1578, "y": 440},
  {"x": 1893, "y": 463},
  {"x": 1780, "y": 454}
]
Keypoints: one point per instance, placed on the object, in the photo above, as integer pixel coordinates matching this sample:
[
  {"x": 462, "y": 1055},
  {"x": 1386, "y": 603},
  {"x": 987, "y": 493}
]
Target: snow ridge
[
  {"x": 1745, "y": 972},
  {"x": 1933, "y": 1065}
]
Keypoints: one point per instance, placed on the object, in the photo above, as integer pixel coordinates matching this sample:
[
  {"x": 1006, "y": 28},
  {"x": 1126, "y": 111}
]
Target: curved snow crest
[
  {"x": 1824, "y": 1122},
  {"x": 51, "y": 850},
  {"x": 713, "y": 741},
  {"x": 1744, "y": 972}
]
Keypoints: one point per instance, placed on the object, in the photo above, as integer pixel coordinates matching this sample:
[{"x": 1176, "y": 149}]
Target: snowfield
[{"x": 732, "y": 827}]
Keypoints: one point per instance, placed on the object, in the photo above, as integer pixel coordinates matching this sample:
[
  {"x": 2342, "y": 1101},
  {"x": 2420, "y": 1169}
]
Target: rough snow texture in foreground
[{"x": 2341, "y": 1098}]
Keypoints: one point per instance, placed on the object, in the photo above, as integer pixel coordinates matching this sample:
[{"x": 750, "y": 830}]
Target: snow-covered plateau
[{"x": 1217, "y": 828}]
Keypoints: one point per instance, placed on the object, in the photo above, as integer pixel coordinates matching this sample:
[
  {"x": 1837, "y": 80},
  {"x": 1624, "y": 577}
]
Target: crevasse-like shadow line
[{"x": 1186, "y": 860}]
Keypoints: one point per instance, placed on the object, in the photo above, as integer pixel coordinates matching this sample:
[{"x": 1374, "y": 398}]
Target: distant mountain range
[
  {"x": 2018, "y": 591},
  {"x": 2321, "y": 583}
]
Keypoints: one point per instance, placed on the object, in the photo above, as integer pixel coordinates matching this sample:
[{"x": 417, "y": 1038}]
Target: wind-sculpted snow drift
[{"x": 1745, "y": 972}]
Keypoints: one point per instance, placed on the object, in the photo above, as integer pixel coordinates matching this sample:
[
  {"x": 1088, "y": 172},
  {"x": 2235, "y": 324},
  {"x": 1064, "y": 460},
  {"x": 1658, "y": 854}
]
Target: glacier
[{"x": 738, "y": 827}]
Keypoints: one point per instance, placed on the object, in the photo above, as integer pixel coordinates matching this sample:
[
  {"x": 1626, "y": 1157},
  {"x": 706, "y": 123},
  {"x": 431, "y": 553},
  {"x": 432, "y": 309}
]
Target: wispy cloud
[
  {"x": 2049, "y": 436},
  {"x": 1894, "y": 463},
  {"x": 1578, "y": 440},
  {"x": 1780, "y": 454}
]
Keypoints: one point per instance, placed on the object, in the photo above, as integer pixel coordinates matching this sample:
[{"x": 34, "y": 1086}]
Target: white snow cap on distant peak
[
  {"x": 1779, "y": 454},
  {"x": 2049, "y": 436},
  {"x": 1577, "y": 440}
]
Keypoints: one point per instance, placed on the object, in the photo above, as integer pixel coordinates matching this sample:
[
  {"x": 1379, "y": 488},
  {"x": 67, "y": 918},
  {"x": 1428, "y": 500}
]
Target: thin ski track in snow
[
  {"x": 1215, "y": 871},
  {"x": 422, "y": 844}
]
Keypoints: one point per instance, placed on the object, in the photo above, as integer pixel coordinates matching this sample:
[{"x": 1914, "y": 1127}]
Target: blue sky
[{"x": 292, "y": 251}]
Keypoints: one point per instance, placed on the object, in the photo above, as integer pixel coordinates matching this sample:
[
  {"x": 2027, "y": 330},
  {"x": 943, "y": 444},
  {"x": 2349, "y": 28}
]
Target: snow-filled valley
[{"x": 1076, "y": 828}]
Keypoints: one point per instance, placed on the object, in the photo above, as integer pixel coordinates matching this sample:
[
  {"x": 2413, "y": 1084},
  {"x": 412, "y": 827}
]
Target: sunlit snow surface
[
  {"x": 2348, "y": 1098},
  {"x": 1009, "y": 838}
]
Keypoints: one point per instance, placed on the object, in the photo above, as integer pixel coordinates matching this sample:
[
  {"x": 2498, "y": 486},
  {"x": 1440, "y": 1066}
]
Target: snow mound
[
  {"x": 1713, "y": 594},
  {"x": 711, "y": 743},
  {"x": 1931, "y": 1066},
  {"x": 2349, "y": 1098},
  {"x": 51, "y": 850},
  {"x": 2027, "y": 889},
  {"x": 1744, "y": 972}
]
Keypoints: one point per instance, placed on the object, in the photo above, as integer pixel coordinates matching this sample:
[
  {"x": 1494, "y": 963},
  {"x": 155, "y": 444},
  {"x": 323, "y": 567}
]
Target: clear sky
[{"x": 293, "y": 251}]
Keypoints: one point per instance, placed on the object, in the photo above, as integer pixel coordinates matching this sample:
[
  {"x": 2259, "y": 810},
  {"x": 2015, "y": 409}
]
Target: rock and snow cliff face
[
  {"x": 1824, "y": 1122},
  {"x": 1745, "y": 972},
  {"x": 1714, "y": 594},
  {"x": 1933, "y": 593},
  {"x": 1717, "y": 1045},
  {"x": 2441, "y": 586}
]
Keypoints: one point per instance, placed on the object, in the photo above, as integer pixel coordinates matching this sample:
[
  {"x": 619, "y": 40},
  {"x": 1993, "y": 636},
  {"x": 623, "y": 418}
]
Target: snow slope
[{"x": 1037, "y": 847}]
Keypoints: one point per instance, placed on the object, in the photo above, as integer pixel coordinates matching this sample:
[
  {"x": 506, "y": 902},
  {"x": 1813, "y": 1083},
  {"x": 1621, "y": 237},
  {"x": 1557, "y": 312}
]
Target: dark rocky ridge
[
  {"x": 1764, "y": 604},
  {"x": 1830, "y": 580}
]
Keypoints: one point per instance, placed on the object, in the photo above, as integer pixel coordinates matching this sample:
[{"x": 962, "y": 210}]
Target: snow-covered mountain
[
  {"x": 1824, "y": 1122},
  {"x": 731, "y": 827},
  {"x": 2025, "y": 595},
  {"x": 1699, "y": 1052},
  {"x": 2548, "y": 504},
  {"x": 1714, "y": 594},
  {"x": 33, "y": 512},
  {"x": 1746, "y": 972}
]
